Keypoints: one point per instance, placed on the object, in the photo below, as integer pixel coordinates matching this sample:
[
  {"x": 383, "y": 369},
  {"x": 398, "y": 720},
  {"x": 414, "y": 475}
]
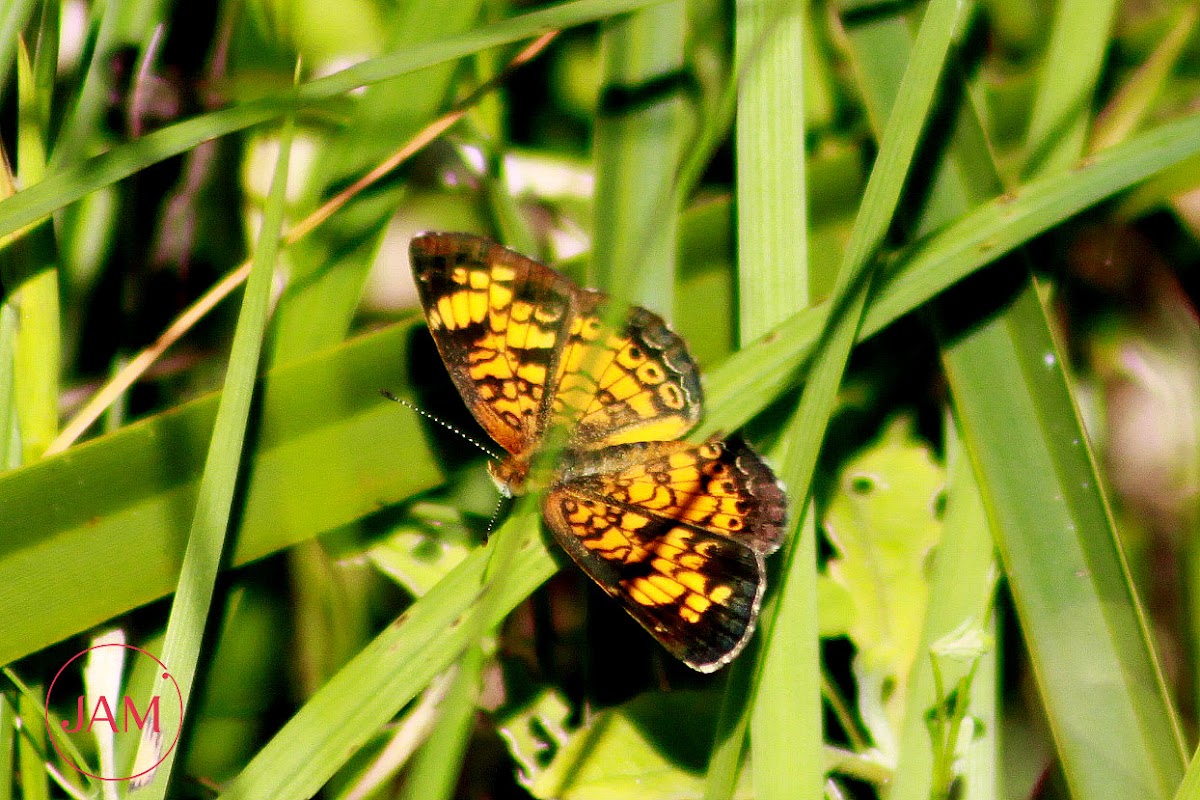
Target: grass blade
[
  {"x": 73, "y": 182},
  {"x": 210, "y": 525}
]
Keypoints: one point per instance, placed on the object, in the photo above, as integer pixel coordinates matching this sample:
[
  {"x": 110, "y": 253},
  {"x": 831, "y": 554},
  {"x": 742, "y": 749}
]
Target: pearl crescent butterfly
[{"x": 675, "y": 531}]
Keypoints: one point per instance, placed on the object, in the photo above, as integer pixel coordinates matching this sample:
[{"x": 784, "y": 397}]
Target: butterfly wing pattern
[{"x": 676, "y": 531}]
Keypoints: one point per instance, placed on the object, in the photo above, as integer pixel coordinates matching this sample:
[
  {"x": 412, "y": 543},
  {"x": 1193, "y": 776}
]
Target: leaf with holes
[{"x": 883, "y": 522}]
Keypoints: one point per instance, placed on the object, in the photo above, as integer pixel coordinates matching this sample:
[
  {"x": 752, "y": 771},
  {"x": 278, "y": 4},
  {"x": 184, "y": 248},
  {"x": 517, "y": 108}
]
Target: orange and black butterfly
[{"x": 674, "y": 530}]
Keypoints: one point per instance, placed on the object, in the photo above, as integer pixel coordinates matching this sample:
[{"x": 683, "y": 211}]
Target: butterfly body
[{"x": 675, "y": 531}]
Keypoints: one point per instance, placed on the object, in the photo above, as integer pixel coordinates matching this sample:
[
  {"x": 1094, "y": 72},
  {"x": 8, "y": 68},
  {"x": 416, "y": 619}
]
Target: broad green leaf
[
  {"x": 637, "y": 750},
  {"x": 329, "y": 451},
  {"x": 883, "y": 524}
]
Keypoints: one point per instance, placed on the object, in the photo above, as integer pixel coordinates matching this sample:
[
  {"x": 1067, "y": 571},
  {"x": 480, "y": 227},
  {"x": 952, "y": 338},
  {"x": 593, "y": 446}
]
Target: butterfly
[{"x": 676, "y": 531}]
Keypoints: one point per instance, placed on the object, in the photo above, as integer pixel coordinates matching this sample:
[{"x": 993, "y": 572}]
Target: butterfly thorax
[{"x": 514, "y": 476}]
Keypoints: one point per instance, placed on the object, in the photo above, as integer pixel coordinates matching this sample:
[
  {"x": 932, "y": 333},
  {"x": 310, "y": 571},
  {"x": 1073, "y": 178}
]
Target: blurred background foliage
[{"x": 348, "y": 509}]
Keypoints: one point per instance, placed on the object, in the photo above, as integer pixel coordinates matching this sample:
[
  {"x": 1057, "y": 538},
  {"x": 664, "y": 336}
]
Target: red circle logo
[{"x": 116, "y": 714}]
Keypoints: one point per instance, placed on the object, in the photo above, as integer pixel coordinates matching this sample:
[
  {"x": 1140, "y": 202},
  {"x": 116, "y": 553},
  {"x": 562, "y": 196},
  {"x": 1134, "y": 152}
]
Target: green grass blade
[
  {"x": 773, "y": 277},
  {"x": 743, "y": 385},
  {"x": 897, "y": 147},
  {"x": 330, "y": 451},
  {"x": 73, "y": 182},
  {"x": 13, "y": 18},
  {"x": 210, "y": 525},
  {"x": 390, "y": 671},
  {"x": 1114, "y": 726},
  {"x": 31, "y": 746},
  {"x": 1189, "y": 788},
  {"x": 1062, "y": 107},
  {"x": 637, "y": 147},
  {"x": 329, "y": 267},
  {"x": 437, "y": 766},
  {"x": 772, "y": 211},
  {"x": 37, "y": 348},
  {"x": 8, "y": 728},
  {"x": 1135, "y": 100}
]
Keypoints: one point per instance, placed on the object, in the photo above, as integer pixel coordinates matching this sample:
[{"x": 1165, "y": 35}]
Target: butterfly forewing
[
  {"x": 499, "y": 320},
  {"x": 634, "y": 383}
]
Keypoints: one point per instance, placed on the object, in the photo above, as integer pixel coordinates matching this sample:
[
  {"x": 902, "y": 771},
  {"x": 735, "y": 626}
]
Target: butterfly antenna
[
  {"x": 441, "y": 422},
  {"x": 500, "y": 501}
]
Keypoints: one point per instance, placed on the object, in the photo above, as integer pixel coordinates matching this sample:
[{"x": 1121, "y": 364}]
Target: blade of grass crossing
[
  {"x": 65, "y": 186},
  {"x": 31, "y": 746},
  {"x": 785, "y": 718},
  {"x": 437, "y": 766},
  {"x": 1062, "y": 107},
  {"x": 964, "y": 570},
  {"x": 13, "y": 17},
  {"x": 392, "y": 670},
  {"x": 1113, "y": 725},
  {"x": 897, "y": 148},
  {"x": 748, "y": 381},
  {"x": 37, "y": 348},
  {"x": 637, "y": 146},
  {"x": 8, "y": 727},
  {"x": 1136, "y": 98},
  {"x": 202, "y": 559}
]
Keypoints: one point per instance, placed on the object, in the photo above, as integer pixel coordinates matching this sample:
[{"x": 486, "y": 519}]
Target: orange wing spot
[
  {"x": 692, "y": 580},
  {"x": 445, "y": 311},
  {"x": 499, "y": 296},
  {"x": 642, "y": 405},
  {"x": 732, "y": 504},
  {"x": 459, "y": 276},
  {"x": 547, "y": 314},
  {"x": 640, "y": 492},
  {"x": 710, "y": 451},
  {"x": 503, "y": 274},
  {"x": 697, "y": 603},
  {"x": 691, "y": 561},
  {"x": 492, "y": 368},
  {"x": 435, "y": 319},
  {"x": 521, "y": 312},
  {"x": 678, "y": 537},
  {"x": 640, "y": 597},
  {"x": 506, "y": 406},
  {"x": 479, "y": 279},
  {"x": 651, "y": 374},
  {"x": 461, "y": 303},
  {"x": 689, "y": 614},
  {"x": 671, "y": 395},
  {"x": 668, "y": 551},
  {"x": 666, "y": 587},
  {"x": 490, "y": 341},
  {"x": 681, "y": 460},
  {"x": 720, "y": 594},
  {"x": 631, "y": 357},
  {"x": 633, "y": 522},
  {"x": 727, "y": 522},
  {"x": 622, "y": 387},
  {"x": 528, "y": 336},
  {"x": 534, "y": 373},
  {"x": 611, "y": 539},
  {"x": 661, "y": 430},
  {"x": 479, "y": 306},
  {"x": 665, "y": 566}
]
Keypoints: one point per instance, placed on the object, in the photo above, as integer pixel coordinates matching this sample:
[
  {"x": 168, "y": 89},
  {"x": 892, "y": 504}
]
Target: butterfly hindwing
[{"x": 677, "y": 532}]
